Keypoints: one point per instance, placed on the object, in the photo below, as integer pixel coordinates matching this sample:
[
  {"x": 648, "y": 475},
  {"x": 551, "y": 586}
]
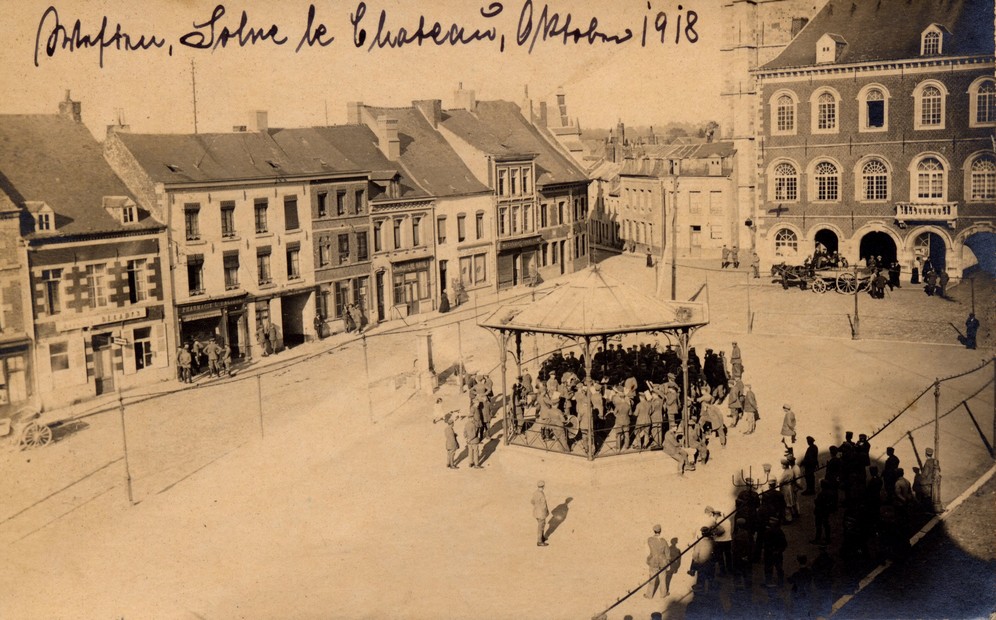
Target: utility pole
[
  {"x": 856, "y": 332},
  {"x": 674, "y": 237},
  {"x": 121, "y": 341},
  {"x": 193, "y": 85}
]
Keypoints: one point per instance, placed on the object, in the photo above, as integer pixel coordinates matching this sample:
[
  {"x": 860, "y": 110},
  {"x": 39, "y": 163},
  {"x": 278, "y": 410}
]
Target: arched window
[
  {"x": 786, "y": 182},
  {"x": 931, "y": 104},
  {"x": 785, "y": 114},
  {"x": 982, "y": 100},
  {"x": 874, "y": 180},
  {"x": 826, "y": 178},
  {"x": 983, "y": 178},
  {"x": 930, "y": 179},
  {"x": 826, "y": 112},
  {"x": 931, "y": 43},
  {"x": 874, "y": 109},
  {"x": 786, "y": 243}
]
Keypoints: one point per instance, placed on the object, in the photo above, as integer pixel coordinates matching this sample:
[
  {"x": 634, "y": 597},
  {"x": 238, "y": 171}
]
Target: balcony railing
[{"x": 927, "y": 212}]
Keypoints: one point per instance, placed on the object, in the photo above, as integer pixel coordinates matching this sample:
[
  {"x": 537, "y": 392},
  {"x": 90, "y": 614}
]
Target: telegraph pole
[
  {"x": 193, "y": 86},
  {"x": 674, "y": 238}
]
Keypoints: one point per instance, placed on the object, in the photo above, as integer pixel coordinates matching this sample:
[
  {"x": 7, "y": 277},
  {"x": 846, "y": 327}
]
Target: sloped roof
[
  {"x": 274, "y": 154},
  {"x": 698, "y": 150},
  {"x": 594, "y": 304},
  {"x": 343, "y": 148},
  {"x": 499, "y": 128},
  {"x": 427, "y": 156},
  {"x": 55, "y": 160},
  {"x": 178, "y": 158},
  {"x": 890, "y": 30}
]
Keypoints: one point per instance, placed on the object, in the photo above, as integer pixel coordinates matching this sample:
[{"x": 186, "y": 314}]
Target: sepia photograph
[{"x": 503, "y": 309}]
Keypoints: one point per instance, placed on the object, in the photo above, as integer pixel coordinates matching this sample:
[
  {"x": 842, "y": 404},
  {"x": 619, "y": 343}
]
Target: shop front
[
  {"x": 517, "y": 260},
  {"x": 221, "y": 320},
  {"x": 412, "y": 286}
]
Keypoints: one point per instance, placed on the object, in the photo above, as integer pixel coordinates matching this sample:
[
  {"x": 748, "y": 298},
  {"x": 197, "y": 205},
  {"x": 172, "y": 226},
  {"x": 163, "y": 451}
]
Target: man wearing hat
[
  {"x": 931, "y": 474},
  {"x": 736, "y": 362},
  {"x": 656, "y": 562},
  {"x": 451, "y": 443},
  {"x": 472, "y": 435},
  {"x": 540, "y": 512},
  {"x": 788, "y": 423},
  {"x": 750, "y": 410},
  {"x": 736, "y": 400},
  {"x": 774, "y": 548},
  {"x": 790, "y": 491}
]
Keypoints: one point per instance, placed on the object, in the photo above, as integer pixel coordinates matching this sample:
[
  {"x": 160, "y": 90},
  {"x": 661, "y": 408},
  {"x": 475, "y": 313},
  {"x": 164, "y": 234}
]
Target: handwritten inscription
[
  {"x": 57, "y": 37},
  {"x": 373, "y": 30}
]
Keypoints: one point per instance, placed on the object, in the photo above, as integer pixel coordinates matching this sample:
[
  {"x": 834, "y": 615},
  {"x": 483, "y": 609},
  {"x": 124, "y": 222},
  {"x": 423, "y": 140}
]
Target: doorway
[
  {"x": 930, "y": 246},
  {"x": 828, "y": 239},
  {"x": 878, "y": 244},
  {"x": 103, "y": 363},
  {"x": 379, "y": 283}
]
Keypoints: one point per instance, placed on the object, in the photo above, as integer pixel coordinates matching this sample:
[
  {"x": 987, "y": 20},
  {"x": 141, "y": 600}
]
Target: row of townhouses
[{"x": 116, "y": 254}]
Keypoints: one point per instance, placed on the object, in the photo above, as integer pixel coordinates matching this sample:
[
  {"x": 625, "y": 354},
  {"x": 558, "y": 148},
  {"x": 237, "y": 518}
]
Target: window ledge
[
  {"x": 928, "y": 127},
  {"x": 195, "y": 293},
  {"x": 267, "y": 284},
  {"x": 264, "y": 234},
  {"x": 230, "y": 238},
  {"x": 197, "y": 241}
]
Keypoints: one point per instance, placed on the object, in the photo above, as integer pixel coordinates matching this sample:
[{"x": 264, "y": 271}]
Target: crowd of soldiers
[
  {"x": 633, "y": 401},
  {"x": 878, "y": 512}
]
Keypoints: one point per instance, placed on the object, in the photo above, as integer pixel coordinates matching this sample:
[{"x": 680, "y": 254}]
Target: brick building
[
  {"x": 459, "y": 233},
  {"x": 876, "y": 127},
  {"x": 16, "y": 325},
  {"x": 97, "y": 290},
  {"x": 540, "y": 195}
]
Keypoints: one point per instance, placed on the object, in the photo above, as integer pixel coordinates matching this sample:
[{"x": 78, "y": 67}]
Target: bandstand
[{"x": 589, "y": 309}]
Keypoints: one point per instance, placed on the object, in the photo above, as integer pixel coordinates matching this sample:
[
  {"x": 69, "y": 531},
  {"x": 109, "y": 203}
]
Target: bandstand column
[
  {"x": 591, "y": 413},
  {"x": 684, "y": 386},
  {"x": 504, "y": 385}
]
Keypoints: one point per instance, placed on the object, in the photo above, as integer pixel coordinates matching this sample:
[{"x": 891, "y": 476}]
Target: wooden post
[
  {"x": 124, "y": 443},
  {"x": 591, "y": 413},
  {"x": 684, "y": 387},
  {"x": 856, "y": 331}
]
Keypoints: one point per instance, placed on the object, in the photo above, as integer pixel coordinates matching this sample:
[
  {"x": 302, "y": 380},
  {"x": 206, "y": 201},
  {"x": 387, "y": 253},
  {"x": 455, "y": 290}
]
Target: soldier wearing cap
[
  {"x": 931, "y": 474},
  {"x": 540, "y": 512},
  {"x": 451, "y": 443},
  {"x": 788, "y": 423},
  {"x": 750, "y": 409},
  {"x": 656, "y": 561}
]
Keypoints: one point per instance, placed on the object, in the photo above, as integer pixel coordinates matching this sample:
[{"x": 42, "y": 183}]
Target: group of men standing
[{"x": 191, "y": 357}]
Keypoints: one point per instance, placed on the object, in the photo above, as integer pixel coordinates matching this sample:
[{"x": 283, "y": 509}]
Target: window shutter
[{"x": 160, "y": 356}]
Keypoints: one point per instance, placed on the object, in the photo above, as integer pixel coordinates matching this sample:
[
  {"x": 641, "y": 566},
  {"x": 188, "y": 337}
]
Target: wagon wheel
[
  {"x": 35, "y": 435},
  {"x": 846, "y": 283},
  {"x": 819, "y": 285}
]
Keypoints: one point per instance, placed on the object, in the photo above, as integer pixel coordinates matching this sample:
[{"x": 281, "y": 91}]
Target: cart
[{"x": 31, "y": 432}]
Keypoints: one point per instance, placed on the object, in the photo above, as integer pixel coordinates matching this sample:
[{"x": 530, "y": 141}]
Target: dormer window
[
  {"x": 932, "y": 40},
  {"x": 43, "y": 221},
  {"x": 829, "y": 48},
  {"x": 42, "y": 214},
  {"x": 129, "y": 214}
]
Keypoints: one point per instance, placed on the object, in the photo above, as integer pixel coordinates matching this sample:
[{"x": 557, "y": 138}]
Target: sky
[{"x": 641, "y": 83}]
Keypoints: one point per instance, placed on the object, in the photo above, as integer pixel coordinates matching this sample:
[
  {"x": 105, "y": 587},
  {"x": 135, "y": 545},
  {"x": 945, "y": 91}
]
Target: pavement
[{"x": 329, "y": 497}]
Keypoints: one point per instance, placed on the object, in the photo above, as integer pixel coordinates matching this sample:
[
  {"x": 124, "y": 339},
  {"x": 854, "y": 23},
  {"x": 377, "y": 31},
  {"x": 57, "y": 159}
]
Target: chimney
[
  {"x": 542, "y": 114},
  {"x": 71, "y": 109},
  {"x": 353, "y": 112},
  {"x": 258, "y": 121},
  {"x": 387, "y": 137},
  {"x": 120, "y": 126},
  {"x": 464, "y": 99},
  {"x": 431, "y": 109}
]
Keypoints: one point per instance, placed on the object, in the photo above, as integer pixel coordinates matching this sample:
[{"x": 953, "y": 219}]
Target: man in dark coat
[
  {"x": 810, "y": 463},
  {"x": 971, "y": 331},
  {"x": 774, "y": 548}
]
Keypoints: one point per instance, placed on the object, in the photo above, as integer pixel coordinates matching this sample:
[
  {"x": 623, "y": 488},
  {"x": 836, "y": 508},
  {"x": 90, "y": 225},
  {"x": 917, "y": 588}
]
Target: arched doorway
[
  {"x": 931, "y": 246},
  {"x": 877, "y": 243},
  {"x": 828, "y": 239},
  {"x": 983, "y": 246}
]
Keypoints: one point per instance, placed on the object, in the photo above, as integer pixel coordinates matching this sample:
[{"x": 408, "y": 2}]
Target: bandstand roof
[{"x": 594, "y": 304}]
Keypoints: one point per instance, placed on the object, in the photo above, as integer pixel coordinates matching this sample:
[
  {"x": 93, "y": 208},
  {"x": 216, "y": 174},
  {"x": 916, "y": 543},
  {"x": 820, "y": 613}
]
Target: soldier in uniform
[
  {"x": 451, "y": 443},
  {"x": 643, "y": 420},
  {"x": 736, "y": 400},
  {"x": 931, "y": 474},
  {"x": 472, "y": 435},
  {"x": 540, "y": 513},
  {"x": 656, "y": 561},
  {"x": 750, "y": 409}
]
